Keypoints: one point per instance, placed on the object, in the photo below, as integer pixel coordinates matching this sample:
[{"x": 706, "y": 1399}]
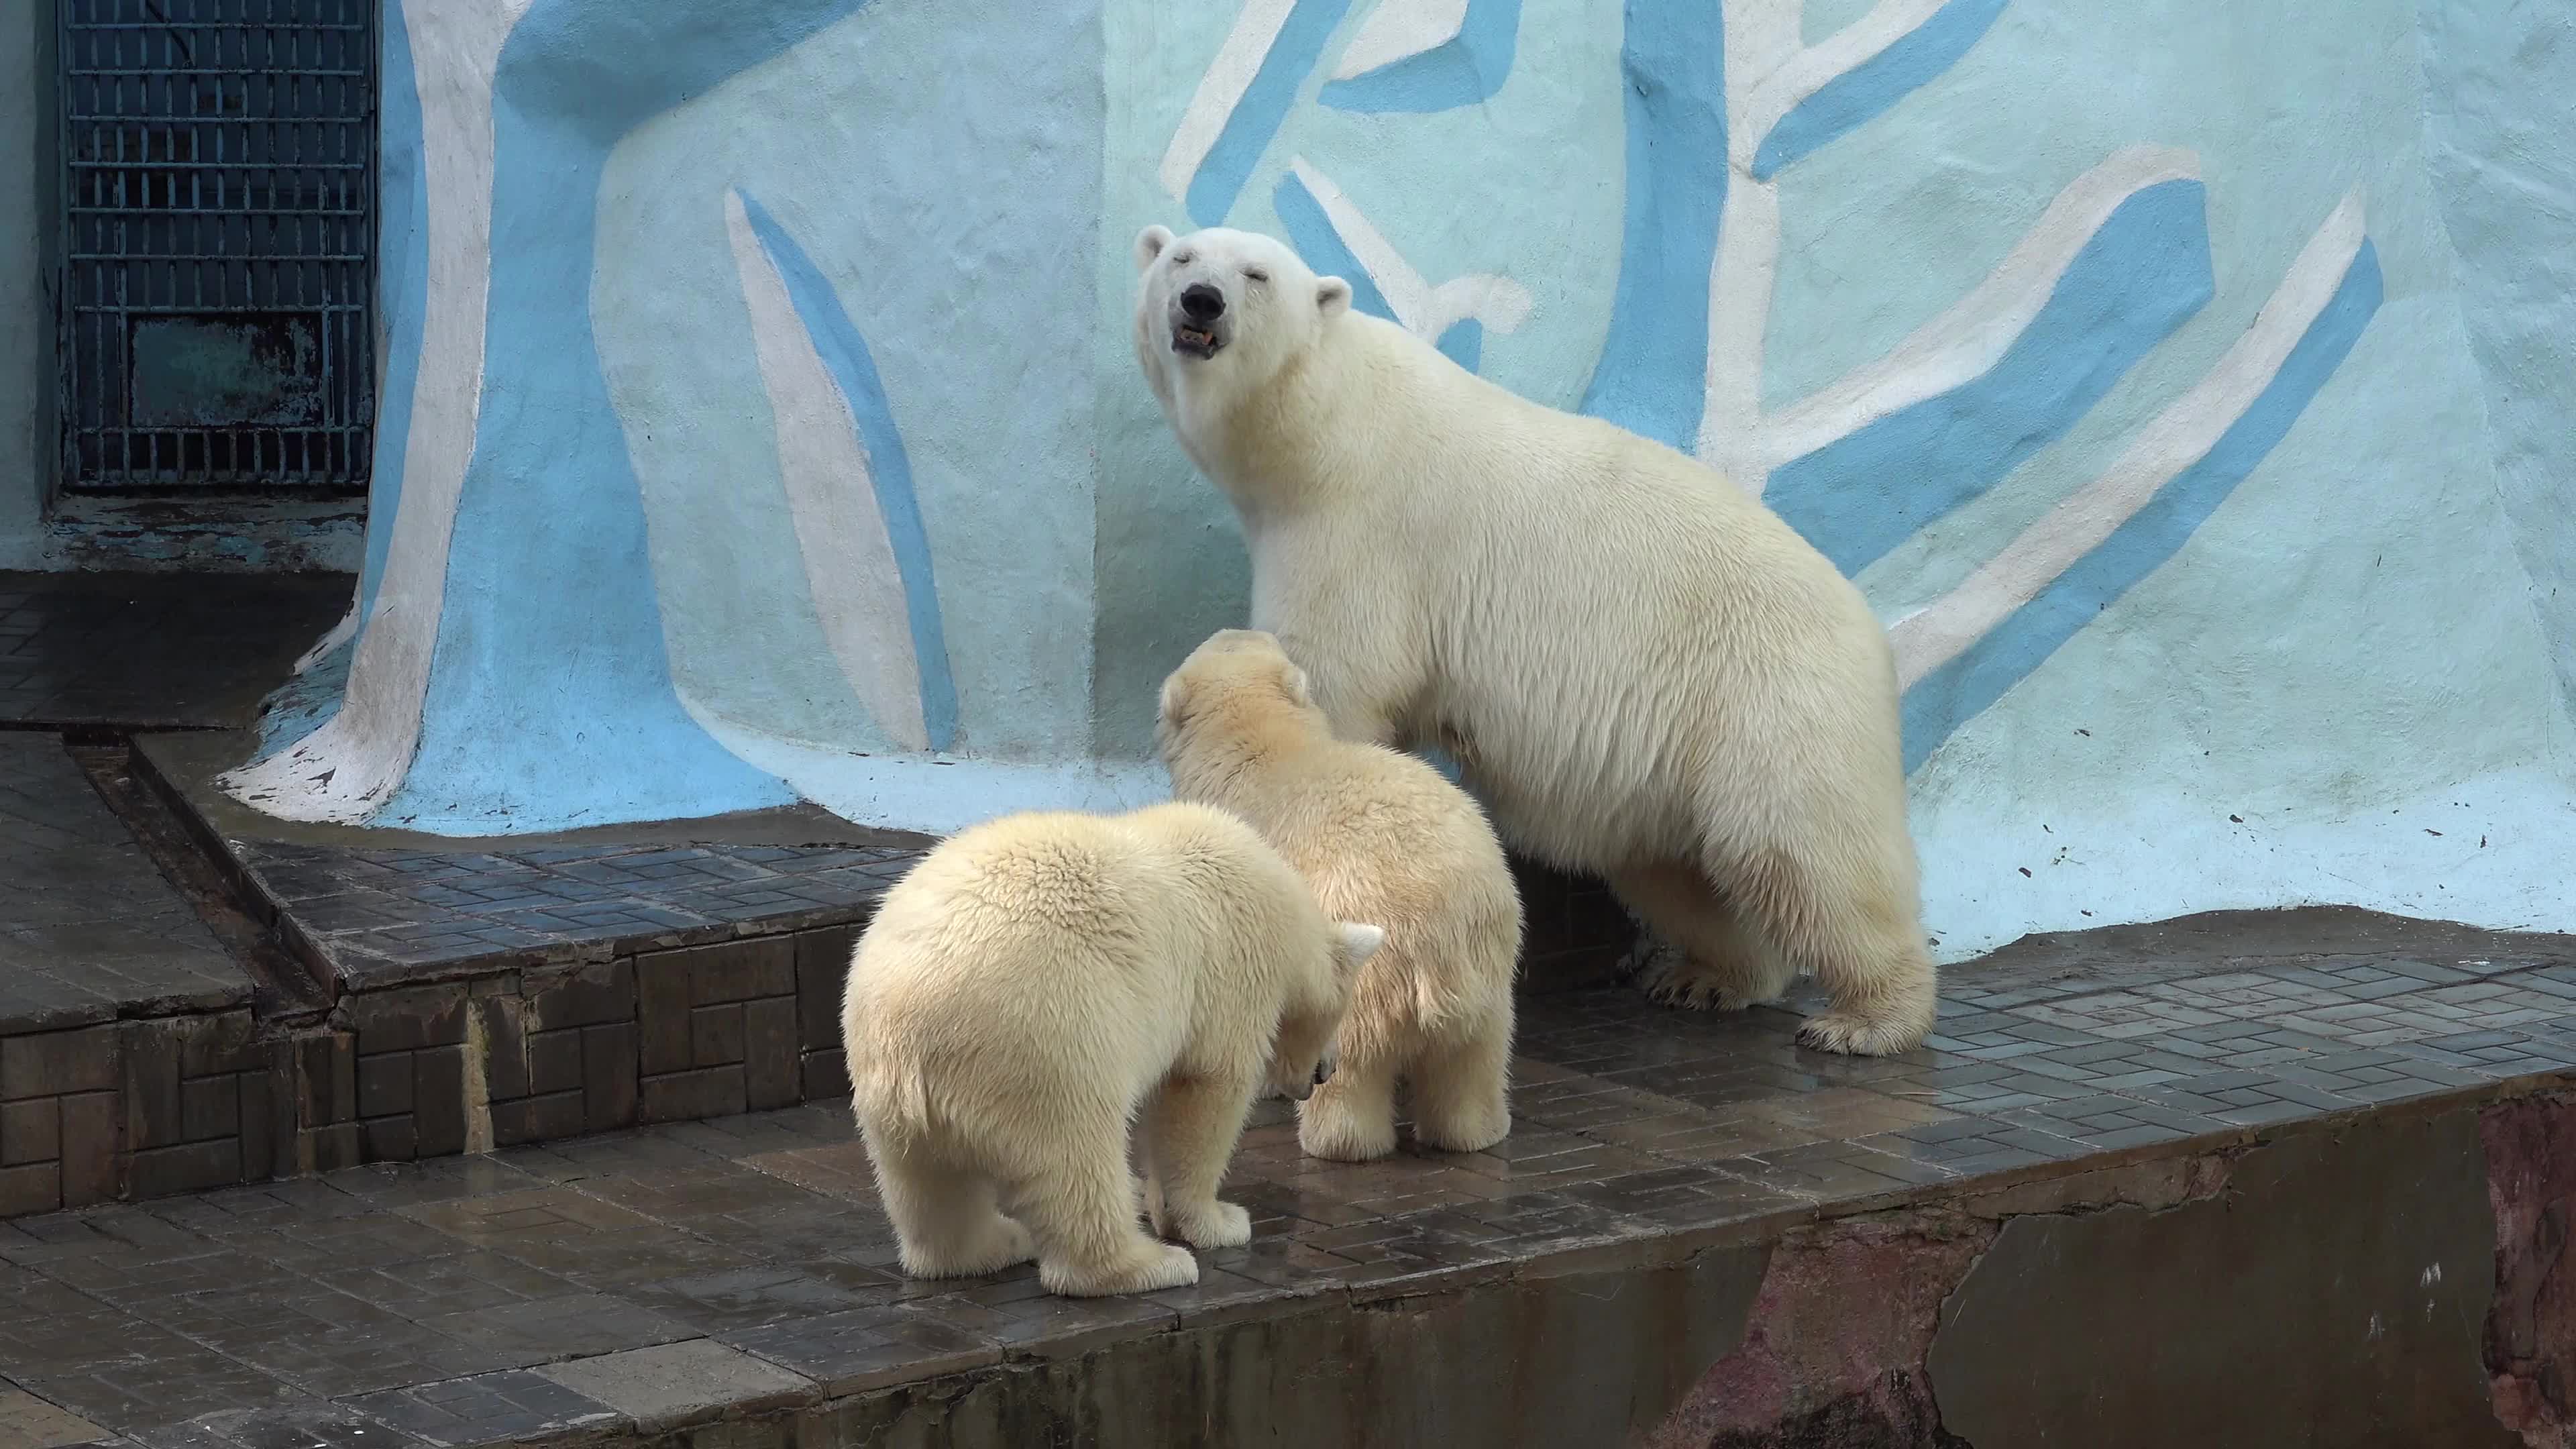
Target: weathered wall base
[
  {"x": 2531, "y": 1327},
  {"x": 213, "y": 534},
  {"x": 2346, "y": 1283},
  {"x": 149, "y": 1108},
  {"x": 324, "y": 1072}
]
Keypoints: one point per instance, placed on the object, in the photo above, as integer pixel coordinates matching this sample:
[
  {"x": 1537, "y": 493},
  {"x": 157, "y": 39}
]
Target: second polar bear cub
[
  {"x": 1036, "y": 983},
  {"x": 1382, "y": 838}
]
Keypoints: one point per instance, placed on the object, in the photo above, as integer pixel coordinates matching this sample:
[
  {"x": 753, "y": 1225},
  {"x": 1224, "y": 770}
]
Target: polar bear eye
[
  {"x": 1256, "y": 274},
  {"x": 1180, "y": 259}
]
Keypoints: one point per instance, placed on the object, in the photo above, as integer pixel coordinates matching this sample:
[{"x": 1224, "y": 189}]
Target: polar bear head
[
  {"x": 1225, "y": 308},
  {"x": 1236, "y": 690},
  {"x": 1304, "y": 1053}
]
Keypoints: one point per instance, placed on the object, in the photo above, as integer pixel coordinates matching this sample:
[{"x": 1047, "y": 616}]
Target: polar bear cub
[
  {"x": 1037, "y": 983},
  {"x": 1644, "y": 672},
  {"x": 1381, "y": 837}
]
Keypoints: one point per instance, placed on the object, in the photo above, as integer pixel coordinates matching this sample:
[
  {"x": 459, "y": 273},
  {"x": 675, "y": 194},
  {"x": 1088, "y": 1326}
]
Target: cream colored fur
[
  {"x": 1037, "y": 983},
  {"x": 1382, "y": 838},
  {"x": 1642, "y": 669}
]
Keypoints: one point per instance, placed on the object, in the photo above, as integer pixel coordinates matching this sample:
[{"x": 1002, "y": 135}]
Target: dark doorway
[{"x": 218, "y": 240}]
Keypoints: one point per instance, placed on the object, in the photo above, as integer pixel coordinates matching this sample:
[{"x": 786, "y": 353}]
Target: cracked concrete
[
  {"x": 2531, "y": 1326},
  {"x": 2399, "y": 1280},
  {"x": 1833, "y": 1355}
]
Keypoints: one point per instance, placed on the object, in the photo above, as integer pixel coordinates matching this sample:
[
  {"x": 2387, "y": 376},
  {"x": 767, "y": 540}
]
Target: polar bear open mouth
[{"x": 1195, "y": 342}]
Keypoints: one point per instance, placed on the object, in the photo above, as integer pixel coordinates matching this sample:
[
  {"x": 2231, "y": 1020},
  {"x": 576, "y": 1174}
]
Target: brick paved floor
[
  {"x": 149, "y": 650},
  {"x": 89, "y": 928},
  {"x": 379, "y": 918},
  {"x": 381, "y": 907},
  {"x": 617, "y": 1280}
]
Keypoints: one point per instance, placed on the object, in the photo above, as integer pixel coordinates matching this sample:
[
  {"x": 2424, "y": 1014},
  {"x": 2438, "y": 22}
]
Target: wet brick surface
[
  {"x": 89, "y": 928},
  {"x": 426, "y": 1301},
  {"x": 380, "y": 918},
  {"x": 155, "y": 650}
]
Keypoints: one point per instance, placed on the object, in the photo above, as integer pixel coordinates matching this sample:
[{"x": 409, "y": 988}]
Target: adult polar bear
[{"x": 1642, "y": 669}]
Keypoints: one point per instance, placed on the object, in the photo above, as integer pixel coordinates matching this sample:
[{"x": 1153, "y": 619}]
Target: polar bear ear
[
  {"x": 1332, "y": 295},
  {"x": 1357, "y": 943},
  {"x": 1150, "y": 243},
  {"x": 1176, "y": 693},
  {"x": 1292, "y": 681}
]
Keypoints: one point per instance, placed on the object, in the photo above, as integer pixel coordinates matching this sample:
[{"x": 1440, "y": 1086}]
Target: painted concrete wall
[{"x": 2186, "y": 385}]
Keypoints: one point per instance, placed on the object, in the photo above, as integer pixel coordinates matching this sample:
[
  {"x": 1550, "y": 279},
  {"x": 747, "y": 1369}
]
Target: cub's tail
[{"x": 890, "y": 1097}]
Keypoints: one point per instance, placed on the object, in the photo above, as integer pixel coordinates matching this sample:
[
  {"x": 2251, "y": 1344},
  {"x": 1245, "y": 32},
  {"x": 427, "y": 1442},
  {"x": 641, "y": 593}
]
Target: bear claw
[{"x": 1670, "y": 987}]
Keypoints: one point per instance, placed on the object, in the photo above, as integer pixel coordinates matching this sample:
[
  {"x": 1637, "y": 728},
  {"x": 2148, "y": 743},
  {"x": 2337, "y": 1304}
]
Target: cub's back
[
  {"x": 1075, "y": 907},
  {"x": 1386, "y": 839},
  {"x": 1022, "y": 905}
]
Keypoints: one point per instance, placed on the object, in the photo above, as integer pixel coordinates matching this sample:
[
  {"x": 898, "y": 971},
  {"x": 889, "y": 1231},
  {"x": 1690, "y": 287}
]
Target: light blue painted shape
[
  {"x": 550, "y": 699},
  {"x": 304, "y": 703},
  {"x": 2142, "y": 275},
  {"x": 836, "y": 338},
  {"x": 1263, "y": 109},
  {"x": 1312, "y": 235},
  {"x": 1653, "y": 374},
  {"x": 1956, "y": 692},
  {"x": 1464, "y": 343},
  {"x": 307, "y": 702},
  {"x": 1463, "y": 70},
  {"x": 1868, "y": 90}
]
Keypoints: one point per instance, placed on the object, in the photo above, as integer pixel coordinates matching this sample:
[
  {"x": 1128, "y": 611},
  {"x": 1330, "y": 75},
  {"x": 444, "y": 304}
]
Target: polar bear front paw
[
  {"x": 1164, "y": 1266},
  {"x": 1858, "y": 1035},
  {"x": 1211, "y": 1224},
  {"x": 1333, "y": 1128},
  {"x": 1674, "y": 982},
  {"x": 988, "y": 1248},
  {"x": 1677, "y": 980}
]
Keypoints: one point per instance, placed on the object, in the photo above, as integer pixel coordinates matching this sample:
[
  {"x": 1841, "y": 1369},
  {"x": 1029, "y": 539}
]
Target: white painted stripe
[
  {"x": 1228, "y": 76},
  {"x": 1966, "y": 340},
  {"x": 850, "y": 566},
  {"x": 1499, "y": 303},
  {"x": 1743, "y": 271},
  {"x": 2177, "y": 438},
  {"x": 349, "y": 766},
  {"x": 1775, "y": 92},
  {"x": 1761, "y": 38},
  {"x": 1403, "y": 287},
  {"x": 1742, "y": 278},
  {"x": 1399, "y": 29}
]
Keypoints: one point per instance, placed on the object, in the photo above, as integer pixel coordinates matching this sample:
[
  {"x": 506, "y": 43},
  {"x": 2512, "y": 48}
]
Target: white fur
[
  {"x": 1644, "y": 671},
  {"x": 1381, "y": 837},
  {"x": 1037, "y": 982}
]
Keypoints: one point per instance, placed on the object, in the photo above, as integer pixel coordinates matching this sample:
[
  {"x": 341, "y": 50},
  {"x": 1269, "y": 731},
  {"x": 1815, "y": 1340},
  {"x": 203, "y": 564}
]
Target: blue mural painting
[
  {"x": 1463, "y": 70},
  {"x": 546, "y": 700},
  {"x": 732, "y": 453},
  {"x": 845, "y": 352},
  {"x": 2142, "y": 272}
]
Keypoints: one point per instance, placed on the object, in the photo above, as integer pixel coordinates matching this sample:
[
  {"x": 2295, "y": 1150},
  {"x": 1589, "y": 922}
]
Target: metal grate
[{"x": 219, "y": 189}]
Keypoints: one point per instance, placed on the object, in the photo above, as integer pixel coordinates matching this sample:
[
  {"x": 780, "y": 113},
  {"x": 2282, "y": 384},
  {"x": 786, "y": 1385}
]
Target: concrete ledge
[
  {"x": 2323, "y": 1158},
  {"x": 430, "y": 998},
  {"x": 2374, "y": 1278}
]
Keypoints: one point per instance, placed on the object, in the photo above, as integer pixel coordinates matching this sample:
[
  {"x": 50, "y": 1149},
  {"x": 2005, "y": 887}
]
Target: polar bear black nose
[{"x": 1202, "y": 302}]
